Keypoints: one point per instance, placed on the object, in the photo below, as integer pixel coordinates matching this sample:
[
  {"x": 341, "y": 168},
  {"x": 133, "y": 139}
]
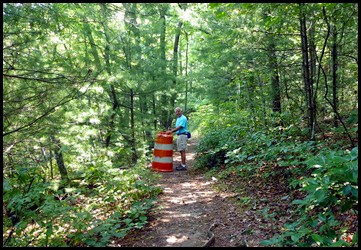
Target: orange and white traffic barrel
[{"x": 163, "y": 153}]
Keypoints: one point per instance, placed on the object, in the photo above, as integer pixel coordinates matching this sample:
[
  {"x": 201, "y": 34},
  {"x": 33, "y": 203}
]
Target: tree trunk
[
  {"x": 164, "y": 99},
  {"x": 133, "y": 141},
  {"x": 94, "y": 51},
  {"x": 175, "y": 72},
  {"x": 59, "y": 159},
  {"x": 154, "y": 113},
  {"x": 326, "y": 88},
  {"x": 306, "y": 74},
  {"x": 43, "y": 153},
  {"x": 275, "y": 79},
  {"x": 175, "y": 52},
  {"x": 334, "y": 54},
  {"x": 313, "y": 56},
  {"x": 115, "y": 102},
  {"x": 186, "y": 68},
  {"x": 51, "y": 162},
  {"x": 111, "y": 91}
]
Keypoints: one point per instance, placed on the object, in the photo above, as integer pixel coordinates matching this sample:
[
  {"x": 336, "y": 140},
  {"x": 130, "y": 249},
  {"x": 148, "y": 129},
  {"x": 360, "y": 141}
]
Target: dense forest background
[{"x": 86, "y": 87}]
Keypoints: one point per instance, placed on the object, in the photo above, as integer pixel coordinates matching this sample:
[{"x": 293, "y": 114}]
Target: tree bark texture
[
  {"x": 132, "y": 127},
  {"x": 308, "y": 86},
  {"x": 334, "y": 55},
  {"x": 164, "y": 98}
]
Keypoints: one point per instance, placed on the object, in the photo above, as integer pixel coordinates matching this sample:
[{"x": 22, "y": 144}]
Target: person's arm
[{"x": 174, "y": 130}]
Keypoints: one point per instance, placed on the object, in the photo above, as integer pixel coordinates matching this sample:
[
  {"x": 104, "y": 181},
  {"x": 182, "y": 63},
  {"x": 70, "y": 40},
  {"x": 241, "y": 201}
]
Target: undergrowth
[
  {"x": 100, "y": 204},
  {"x": 327, "y": 176}
]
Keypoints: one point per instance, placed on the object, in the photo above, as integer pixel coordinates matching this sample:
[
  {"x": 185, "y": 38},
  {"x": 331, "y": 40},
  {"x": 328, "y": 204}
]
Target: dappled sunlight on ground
[
  {"x": 183, "y": 212},
  {"x": 174, "y": 239}
]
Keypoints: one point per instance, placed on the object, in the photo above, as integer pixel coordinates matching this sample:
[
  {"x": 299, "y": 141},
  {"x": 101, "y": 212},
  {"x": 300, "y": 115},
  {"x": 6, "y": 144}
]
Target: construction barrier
[{"x": 163, "y": 153}]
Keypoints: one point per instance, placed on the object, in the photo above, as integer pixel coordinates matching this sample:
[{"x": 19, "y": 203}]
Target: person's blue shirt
[{"x": 182, "y": 121}]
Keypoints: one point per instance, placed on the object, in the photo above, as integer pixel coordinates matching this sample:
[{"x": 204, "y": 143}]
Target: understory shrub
[
  {"x": 327, "y": 177},
  {"x": 88, "y": 213},
  {"x": 332, "y": 188}
]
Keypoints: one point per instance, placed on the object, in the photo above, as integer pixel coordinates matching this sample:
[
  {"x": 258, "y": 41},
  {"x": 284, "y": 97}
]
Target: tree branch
[
  {"x": 326, "y": 92},
  {"x": 49, "y": 111}
]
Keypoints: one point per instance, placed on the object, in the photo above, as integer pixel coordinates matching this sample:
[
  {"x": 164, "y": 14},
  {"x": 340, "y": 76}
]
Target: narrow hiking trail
[{"x": 185, "y": 212}]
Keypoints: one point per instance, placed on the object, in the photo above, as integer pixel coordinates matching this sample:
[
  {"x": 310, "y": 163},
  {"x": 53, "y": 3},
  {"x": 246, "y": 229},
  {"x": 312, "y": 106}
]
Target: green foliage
[
  {"x": 89, "y": 214},
  {"x": 328, "y": 177},
  {"x": 212, "y": 148},
  {"x": 333, "y": 184},
  {"x": 97, "y": 76}
]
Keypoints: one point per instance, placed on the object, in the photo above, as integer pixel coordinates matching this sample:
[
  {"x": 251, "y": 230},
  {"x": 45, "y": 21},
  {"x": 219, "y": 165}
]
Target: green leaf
[
  {"x": 120, "y": 234},
  {"x": 299, "y": 202},
  {"x": 220, "y": 14},
  {"x": 295, "y": 237},
  {"x": 20, "y": 227},
  {"x": 322, "y": 217},
  {"x": 339, "y": 243},
  {"x": 347, "y": 205},
  {"x": 273, "y": 241},
  {"x": 355, "y": 238},
  {"x": 320, "y": 195},
  {"x": 317, "y": 238},
  {"x": 314, "y": 223},
  {"x": 291, "y": 226},
  {"x": 64, "y": 149},
  {"x": 49, "y": 231},
  {"x": 6, "y": 185},
  {"x": 69, "y": 190},
  {"x": 354, "y": 153},
  {"x": 127, "y": 221},
  {"x": 213, "y": 5}
]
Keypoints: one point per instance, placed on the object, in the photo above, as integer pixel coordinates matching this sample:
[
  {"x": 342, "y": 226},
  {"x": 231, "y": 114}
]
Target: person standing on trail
[{"x": 181, "y": 127}]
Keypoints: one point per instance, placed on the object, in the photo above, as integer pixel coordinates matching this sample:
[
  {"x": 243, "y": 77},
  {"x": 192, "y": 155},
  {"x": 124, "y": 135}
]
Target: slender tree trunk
[
  {"x": 313, "y": 58},
  {"x": 115, "y": 102},
  {"x": 186, "y": 68},
  {"x": 326, "y": 87},
  {"x": 334, "y": 54},
  {"x": 154, "y": 113},
  {"x": 275, "y": 79},
  {"x": 133, "y": 141},
  {"x": 111, "y": 91},
  {"x": 175, "y": 72},
  {"x": 59, "y": 159},
  {"x": 142, "y": 113},
  {"x": 51, "y": 162},
  {"x": 249, "y": 96},
  {"x": 175, "y": 52},
  {"x": 164, "y": 99},
  {"x": 261, "y": 86},
  {"x": 94, "y": 51},
  {"x": 43, "y": 153},
  {"x": 306, "y": 74}
]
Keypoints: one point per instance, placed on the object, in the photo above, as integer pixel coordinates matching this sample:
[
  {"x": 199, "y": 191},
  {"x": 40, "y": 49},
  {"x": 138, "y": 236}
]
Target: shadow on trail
[{"x": 184, "y": 211}]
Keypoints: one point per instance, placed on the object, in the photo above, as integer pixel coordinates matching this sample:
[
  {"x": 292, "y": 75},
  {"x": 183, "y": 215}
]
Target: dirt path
[
  {"x": 190, "y": 205},
  {"x": 185, "y": 211}
]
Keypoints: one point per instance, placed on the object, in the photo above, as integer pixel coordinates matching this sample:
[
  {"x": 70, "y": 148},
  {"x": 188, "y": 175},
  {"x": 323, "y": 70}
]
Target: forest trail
[{"x": 185, "y": 211}]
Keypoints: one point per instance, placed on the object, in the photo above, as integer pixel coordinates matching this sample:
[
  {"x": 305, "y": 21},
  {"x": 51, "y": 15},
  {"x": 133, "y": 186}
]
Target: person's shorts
[{"x": 182, "y": 142}]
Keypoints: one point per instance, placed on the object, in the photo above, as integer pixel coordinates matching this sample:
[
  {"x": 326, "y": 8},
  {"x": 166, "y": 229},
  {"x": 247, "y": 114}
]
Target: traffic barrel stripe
[{"x": 163, "y": 153}]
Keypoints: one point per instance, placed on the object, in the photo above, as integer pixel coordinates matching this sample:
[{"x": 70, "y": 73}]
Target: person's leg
[
  {"x": 182, "y": 147},
  {"x": 183, "y": 157}
]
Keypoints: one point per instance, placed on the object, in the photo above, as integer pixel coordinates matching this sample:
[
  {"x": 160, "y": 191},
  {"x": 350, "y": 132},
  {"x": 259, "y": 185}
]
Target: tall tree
[
  {"x": 307, "y": 78},
  {"x": 162, "y": 44}
]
